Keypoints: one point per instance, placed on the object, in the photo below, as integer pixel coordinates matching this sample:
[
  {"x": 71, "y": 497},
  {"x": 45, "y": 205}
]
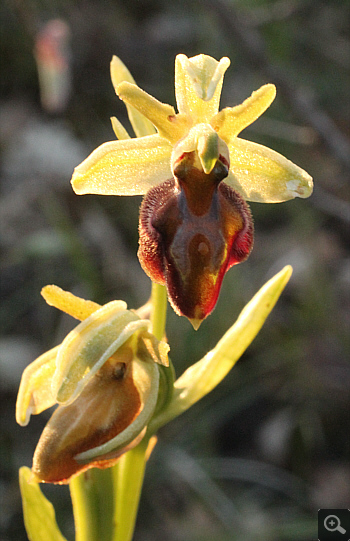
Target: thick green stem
[
  {"x": 92, "y": 499},
  {"x": 128, "y": 480}
]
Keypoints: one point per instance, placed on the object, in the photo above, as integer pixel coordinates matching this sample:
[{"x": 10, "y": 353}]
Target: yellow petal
[
  {"x": 169, "y": 125},
  {"x": 127, "y": 167},
  {"x": 35, "y": 392},
  {"x": 87, "y": 347},
  {"x": 119, "y": 73},
  {"x": 231, "y": 121},
  {"x": 69, "y": 303},
  {"x": 198, "y": 83},
  {"x": 262, "y": 175},
  {"x": 119, "y": 129}
]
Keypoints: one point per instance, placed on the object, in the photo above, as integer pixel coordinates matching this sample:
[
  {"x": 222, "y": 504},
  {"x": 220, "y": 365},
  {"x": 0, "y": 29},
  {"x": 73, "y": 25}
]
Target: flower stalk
[
  {"x": 128, "y": 478},
  {"x": 92, "y": 495}
]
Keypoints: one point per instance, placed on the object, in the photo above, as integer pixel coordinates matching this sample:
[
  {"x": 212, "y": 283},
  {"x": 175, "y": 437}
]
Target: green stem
[
  {"x": 159, "y": 306},
  {"x": 128, "y": 480},
  {"x": 92, "y": 499}
]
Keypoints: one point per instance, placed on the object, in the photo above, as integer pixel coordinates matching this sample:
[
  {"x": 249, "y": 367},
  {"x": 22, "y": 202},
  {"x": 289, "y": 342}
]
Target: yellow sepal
[
  {"x": 198, "y": 83},
  {"x": 69, "y": 303},
  {"x": 229, "y": 122},
  {"x": 126, "y": 167},
  {"x": 262, "y": 175}
]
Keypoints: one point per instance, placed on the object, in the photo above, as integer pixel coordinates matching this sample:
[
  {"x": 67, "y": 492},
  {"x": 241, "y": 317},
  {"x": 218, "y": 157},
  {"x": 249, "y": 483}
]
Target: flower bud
[
  {"x": 105, "y": 377},
  {"x": 108, "y": 409}
]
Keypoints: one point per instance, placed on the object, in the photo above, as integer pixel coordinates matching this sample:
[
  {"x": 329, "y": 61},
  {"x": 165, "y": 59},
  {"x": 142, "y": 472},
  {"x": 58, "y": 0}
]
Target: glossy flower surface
[
  {"x": 105, "y": 379},
  {"x": 196, "y": 173}
]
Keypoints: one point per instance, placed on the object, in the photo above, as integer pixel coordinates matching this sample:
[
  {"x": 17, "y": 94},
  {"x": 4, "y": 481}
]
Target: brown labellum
[{"x": 193, "y": 228}]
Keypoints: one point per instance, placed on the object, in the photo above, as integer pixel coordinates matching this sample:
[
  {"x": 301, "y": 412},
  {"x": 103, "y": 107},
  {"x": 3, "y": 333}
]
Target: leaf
[
  {"x": 39, "y": 513},
  {"x": 202, "y": 377}
]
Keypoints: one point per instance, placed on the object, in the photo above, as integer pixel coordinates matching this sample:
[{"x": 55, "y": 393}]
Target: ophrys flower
[
  {"x": 105, "y": 379},
  {"x": 196, "y": 173}
]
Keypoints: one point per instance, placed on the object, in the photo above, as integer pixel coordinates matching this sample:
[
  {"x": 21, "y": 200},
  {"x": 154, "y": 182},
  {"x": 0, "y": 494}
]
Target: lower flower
[{"x": 106, "y": 379}]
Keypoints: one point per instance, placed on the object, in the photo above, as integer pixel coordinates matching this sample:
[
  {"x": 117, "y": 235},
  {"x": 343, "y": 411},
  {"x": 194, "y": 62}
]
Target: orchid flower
[
  {"x": 105, "y": 379},
  {"x": 196, "y": 175}
]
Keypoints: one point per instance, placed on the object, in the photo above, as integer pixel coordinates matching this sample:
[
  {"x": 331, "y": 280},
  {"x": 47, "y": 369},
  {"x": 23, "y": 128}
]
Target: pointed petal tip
[
  {"x": 288, "y": 269},
  {"x": 196, "y": 323},
  {"x": 119, "y": 72},
  {"x": 284, "y": 274}
]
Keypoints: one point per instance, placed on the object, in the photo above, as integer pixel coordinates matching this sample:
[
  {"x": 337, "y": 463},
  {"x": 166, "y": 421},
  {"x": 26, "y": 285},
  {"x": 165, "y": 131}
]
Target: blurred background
[{"x": 270, "y": 446}]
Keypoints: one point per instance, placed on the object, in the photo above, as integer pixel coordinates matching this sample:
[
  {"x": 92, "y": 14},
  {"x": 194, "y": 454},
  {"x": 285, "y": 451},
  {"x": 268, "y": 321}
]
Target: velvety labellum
[{"x": 193, "y": 228}]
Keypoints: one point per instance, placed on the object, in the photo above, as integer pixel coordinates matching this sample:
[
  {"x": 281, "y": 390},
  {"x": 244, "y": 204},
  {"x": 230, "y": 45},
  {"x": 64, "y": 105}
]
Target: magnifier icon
[{"x": 332, "y": 524}]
